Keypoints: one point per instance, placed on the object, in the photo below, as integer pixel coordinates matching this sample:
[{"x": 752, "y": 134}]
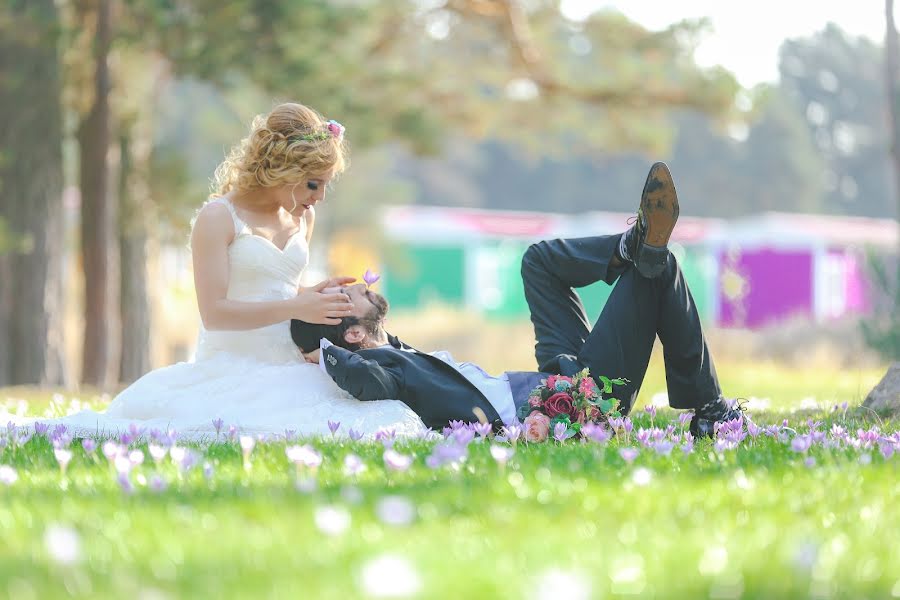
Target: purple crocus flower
[
  {"x": 396, "y": 461},
  {"x": 685, "y": 418},
  {"x": 628, "y": 454},
  {"x": 627, "y": 425},
  {"x": 208, "y": 471},
  {"x": 41, "y": 428},
  {"x": 643, "y": 436},
  {"x": 801, "y": 443},
  {"x": 58, "y": 431},
  {"x": 135, "y": 431},
  {"x": 650, "y": 410},
  {"x": 355, "y": 435},
  {"x": 370, "y": 277},
  {"x": 456, "y": 424},
  {"x": 289, "y": 435},
  {"x": 110, "y": 450},
  {"x": 810, "y": 461},
  {"x": 501, "y": 454},
  {"x": 125, "y": 483},
  {"x": 464, "y": 436},
  {"x": 512, "y": 432},
  {"x": 157, "y": 484},
  {"x": 447, "y": 453},
  {"x": 688, "y": 446},
  {"x": 136, "y": 457},
  {"x": 218, "y": 423},
  {"x": 887, "y": 448},
  {"x": 8, "y": 475},
  {"x": 247, "y": 443},
  {"x": 157, "y": 453},
  {"x": 125, "y": 439},
  {"x": 24, "y": 437},
  {"x": 386, "y": 437},
  {"x": 483, "y": 429},
  {"x": 89, "y": 445},
  {"x": 596, "y": 432},
  {"x": 559, "y": 432},
  {"x": 353, "y": 465},
  {"x": 305, "y": 456},
  {"x": 333, "y": 426},
  {"x": 63, "y": 456},
  {"x": 663, "y": 447}
]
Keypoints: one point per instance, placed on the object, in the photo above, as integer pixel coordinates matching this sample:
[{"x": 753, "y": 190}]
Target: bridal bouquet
[{"x": 562, "y": 405}]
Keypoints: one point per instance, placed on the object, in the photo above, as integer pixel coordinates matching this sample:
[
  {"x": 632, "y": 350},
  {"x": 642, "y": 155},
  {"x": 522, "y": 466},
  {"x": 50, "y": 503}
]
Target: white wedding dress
[{"x": 255, "y": 380}]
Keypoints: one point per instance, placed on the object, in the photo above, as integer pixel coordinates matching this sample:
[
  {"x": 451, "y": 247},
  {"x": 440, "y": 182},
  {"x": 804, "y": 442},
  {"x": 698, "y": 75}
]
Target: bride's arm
[{"x": 213, "y": 232}]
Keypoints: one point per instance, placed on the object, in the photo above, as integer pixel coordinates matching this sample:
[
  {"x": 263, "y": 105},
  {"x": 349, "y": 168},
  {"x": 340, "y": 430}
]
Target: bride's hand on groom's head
[
  {"x": 312, "y": 357},
  {"x": 314, "y": 306},
  {"x": 332, "y": 284}
]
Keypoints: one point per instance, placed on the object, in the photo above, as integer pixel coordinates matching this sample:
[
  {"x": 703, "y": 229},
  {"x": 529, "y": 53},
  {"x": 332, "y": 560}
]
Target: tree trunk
[
  {"x": 30, "y": 195},
  {"x": 96, "y": 218},
  {"x": 137, "y": 219},
  {"x": 892, "y": 85}
]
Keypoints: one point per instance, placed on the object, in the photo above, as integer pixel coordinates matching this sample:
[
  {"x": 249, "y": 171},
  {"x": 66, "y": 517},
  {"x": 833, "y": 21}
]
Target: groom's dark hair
[{"x": 307, "y": 335}]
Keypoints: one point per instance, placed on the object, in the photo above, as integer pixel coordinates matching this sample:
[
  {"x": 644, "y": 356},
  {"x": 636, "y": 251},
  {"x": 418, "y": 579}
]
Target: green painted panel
[{"x": 415, "y": 275}]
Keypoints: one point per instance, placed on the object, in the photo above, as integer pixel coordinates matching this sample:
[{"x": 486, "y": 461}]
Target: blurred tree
[
  {"x": 30, "y": 187},
  {"x": 836, "y": 81},
  {"x": 30, "y": 195},
  {"x": 892, "y": 92},
  {"x": 91, "y": 48}
]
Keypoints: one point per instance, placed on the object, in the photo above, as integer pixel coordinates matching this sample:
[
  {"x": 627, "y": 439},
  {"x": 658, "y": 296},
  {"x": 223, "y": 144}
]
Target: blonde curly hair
[{"x": 284, "y": 147}]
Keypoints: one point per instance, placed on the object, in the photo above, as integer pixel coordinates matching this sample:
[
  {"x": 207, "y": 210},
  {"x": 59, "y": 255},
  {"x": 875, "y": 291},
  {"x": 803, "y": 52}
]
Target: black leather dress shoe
[
  {"x": 648, "y": 238},
  {"x": 717, "y": 411}
]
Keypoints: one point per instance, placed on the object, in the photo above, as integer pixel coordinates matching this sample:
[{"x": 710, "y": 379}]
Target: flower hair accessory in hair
[{"x": 333, "y": 129}]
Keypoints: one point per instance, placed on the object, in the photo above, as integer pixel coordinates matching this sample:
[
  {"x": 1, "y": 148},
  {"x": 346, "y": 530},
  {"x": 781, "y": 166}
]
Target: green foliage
[{"x": 881, "y": 330}]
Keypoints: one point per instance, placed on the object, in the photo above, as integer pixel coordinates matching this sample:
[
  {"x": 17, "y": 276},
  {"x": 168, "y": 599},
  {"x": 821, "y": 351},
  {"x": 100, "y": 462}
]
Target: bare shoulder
[{"x": 213, "y": 222}]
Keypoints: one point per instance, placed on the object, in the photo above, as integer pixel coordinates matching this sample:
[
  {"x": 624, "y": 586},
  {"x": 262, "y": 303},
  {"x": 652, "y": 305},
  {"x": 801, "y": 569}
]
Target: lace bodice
[{"x": 259, "y": 271}]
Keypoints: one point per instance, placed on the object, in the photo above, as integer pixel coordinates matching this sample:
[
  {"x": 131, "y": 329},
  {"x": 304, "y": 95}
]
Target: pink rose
[
  {"x": 551, "y": 381},
  {"x": 534, "y": 401},
  {"x": 559, "y": 404},
  {"x": 537, "y": 427}
]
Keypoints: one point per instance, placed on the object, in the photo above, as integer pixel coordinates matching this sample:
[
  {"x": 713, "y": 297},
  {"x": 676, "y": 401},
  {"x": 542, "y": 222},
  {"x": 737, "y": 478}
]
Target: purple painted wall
[{"x": 759, "y": 286}]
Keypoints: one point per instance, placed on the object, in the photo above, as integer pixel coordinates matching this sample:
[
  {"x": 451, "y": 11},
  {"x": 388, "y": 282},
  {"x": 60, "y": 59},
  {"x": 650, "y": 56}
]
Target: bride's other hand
[
  {"x": 314, "y": 306},
  {"x": 312, "y": 357}
]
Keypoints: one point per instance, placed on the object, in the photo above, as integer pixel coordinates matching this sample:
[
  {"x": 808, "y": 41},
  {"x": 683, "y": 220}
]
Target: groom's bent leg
[
  {"x": 637, "y": 311},
  {"x": 550, "y": 271}
]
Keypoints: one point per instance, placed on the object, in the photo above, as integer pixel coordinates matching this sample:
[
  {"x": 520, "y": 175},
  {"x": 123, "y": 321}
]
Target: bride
[{"x": 249, "y": 244}]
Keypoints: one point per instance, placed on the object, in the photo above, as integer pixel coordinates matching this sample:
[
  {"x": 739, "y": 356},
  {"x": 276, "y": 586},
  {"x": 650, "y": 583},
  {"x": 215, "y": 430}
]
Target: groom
[{"x": 650, "y": 299}]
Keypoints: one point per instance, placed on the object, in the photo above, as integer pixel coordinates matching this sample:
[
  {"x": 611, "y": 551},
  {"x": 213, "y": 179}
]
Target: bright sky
[{"x": 745, "y": 35}]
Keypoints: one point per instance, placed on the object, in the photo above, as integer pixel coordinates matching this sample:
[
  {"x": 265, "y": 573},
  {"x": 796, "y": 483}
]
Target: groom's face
[{"x": 365, "y": 301}]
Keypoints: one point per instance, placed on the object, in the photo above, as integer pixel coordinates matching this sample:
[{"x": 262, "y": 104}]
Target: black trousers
[{"x": 621, "y": 341}]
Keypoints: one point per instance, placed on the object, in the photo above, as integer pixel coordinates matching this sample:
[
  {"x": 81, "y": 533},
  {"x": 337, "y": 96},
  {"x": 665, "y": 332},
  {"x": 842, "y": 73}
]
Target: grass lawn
[{"x": 762, "y": 520}]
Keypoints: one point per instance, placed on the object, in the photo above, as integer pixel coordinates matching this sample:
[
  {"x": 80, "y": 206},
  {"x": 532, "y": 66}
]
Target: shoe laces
[{"x": 722, "y": 410}]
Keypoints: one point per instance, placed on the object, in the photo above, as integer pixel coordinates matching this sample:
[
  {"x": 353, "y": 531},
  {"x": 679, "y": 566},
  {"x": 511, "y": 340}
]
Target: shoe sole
[{"x": 659, "y": 204}]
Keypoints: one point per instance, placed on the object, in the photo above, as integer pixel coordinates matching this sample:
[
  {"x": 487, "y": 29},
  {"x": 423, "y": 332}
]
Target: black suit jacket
[{"x": 433, "y": 389}]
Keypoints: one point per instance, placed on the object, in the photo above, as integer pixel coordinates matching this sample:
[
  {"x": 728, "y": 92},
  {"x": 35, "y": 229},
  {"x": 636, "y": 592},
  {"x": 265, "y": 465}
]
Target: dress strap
[{"x": 239, "y": 225}]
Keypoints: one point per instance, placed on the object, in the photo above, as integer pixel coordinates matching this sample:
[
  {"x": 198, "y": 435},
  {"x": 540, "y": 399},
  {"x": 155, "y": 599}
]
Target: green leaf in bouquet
[
  {"x": 607, "y": 405},
  {"x": 560, "y": 419},
  {"x": 576, "y": 427},
  {"x": 617, "y": 381},
  {"x": 607, "y": 384}
]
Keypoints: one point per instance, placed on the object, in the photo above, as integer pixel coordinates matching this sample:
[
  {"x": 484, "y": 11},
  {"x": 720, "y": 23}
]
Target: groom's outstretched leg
[{"x": 550, "y": 271}]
